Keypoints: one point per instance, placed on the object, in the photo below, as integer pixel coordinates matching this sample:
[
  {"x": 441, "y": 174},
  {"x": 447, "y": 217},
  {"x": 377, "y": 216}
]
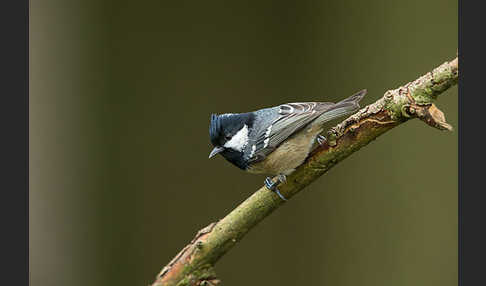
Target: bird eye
[{"x": 227, "y": 137}]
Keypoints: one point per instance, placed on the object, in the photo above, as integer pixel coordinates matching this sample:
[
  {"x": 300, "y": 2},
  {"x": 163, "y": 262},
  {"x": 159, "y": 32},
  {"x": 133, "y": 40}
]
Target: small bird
[{"x": 276, "y": 140}]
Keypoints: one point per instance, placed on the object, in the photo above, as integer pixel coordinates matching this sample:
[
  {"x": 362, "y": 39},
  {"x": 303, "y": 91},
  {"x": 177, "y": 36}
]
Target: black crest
[
  {"x": 223, "y": 127},
  {"x": 214, "y": 129}
]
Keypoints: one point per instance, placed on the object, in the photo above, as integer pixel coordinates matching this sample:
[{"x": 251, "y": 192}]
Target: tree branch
[{"x": 194, "y": 264}]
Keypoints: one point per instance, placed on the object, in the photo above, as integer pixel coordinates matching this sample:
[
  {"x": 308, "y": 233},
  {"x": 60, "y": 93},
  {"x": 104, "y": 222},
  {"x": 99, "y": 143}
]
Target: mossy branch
[{"x": 194, "y": 264}]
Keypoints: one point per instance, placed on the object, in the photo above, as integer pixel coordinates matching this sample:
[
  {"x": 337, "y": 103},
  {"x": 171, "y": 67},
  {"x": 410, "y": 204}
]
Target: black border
[
  {"x": 459, "y": 153},
  {"x": 14, "y": 213},
  {"x": 472, "y": 238}
]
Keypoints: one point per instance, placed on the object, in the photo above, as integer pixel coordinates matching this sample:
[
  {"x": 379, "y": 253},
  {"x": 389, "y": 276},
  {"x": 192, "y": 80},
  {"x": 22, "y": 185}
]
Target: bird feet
[
  {"x": 321, "y": 139},
  {"x": 272, "y": 186}
]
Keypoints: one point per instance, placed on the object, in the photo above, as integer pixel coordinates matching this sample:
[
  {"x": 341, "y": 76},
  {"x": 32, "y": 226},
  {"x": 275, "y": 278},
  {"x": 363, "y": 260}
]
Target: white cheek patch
[{"x": 239, "y": 140}]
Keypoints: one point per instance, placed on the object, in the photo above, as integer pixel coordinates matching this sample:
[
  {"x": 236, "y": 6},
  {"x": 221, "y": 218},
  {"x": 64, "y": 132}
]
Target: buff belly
[{"x": 289, "y": 155}]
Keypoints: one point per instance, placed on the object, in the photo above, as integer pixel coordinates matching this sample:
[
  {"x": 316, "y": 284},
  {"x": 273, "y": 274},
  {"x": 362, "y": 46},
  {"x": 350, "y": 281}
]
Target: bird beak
[{"x": 216, "y": 151}]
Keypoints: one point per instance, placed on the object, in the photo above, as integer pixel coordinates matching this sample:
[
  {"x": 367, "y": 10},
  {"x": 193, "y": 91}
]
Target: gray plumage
[{"x": 274, "y": 125}]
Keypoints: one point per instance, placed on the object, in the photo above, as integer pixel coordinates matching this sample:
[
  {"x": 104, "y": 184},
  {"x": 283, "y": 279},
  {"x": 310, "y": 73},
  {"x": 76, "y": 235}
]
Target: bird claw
[
  {"x": 272, "y": 186},
  {"x": 269, "y": 184},
  {"x": 321, "y": 139}
]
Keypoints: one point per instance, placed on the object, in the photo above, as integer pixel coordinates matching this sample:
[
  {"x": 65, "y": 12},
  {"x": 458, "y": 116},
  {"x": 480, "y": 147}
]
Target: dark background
[{"x": 120, "y": 98}]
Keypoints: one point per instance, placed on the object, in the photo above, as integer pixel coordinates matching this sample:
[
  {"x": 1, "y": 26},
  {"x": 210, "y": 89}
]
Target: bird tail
[
  {"x": 343, "y": 107},
  {"x": 355, "y": 98}
]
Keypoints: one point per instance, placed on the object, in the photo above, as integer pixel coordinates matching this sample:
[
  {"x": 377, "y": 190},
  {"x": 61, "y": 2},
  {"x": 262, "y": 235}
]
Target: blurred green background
[{"x": 120, "y": 98}]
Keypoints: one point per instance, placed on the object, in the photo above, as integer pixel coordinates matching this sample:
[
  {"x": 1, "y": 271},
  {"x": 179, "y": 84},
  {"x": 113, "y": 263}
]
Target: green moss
[
  {"x": 205, "y": 272},
  {"x": 423, "y": 96},
  {"x": 394, "y": 107}
]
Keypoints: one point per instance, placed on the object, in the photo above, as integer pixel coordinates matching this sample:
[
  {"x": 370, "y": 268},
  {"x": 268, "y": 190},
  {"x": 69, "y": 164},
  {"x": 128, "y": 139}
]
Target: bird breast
[{"x": 288, "y": 155}]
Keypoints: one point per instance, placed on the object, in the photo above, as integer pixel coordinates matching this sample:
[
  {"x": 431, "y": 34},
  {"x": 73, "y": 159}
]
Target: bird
[{"x": 276, "y": 140}]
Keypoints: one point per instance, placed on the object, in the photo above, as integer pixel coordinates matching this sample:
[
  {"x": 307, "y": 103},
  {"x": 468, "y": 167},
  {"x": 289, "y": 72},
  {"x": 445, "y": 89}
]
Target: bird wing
[{"x": 291, "y": 118}]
